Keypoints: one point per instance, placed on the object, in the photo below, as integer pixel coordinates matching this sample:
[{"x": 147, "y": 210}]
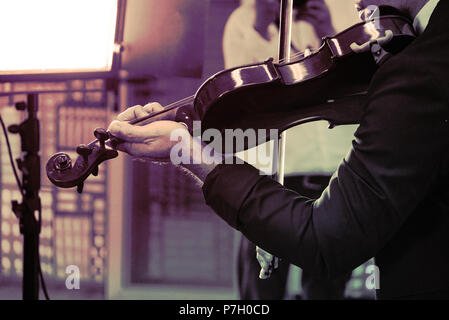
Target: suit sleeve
[{"x": 393, "y": 164}]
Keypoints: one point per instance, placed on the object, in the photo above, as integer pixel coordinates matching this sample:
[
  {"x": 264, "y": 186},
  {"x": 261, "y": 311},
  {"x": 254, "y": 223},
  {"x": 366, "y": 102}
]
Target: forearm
[
  {"x": 282, "y": 222},
  {"x": 200, "y": 162},
  {"x": 199, "y": 171},
  {"x": 327, "y": 237},
  {"x": 274, "y": 218},
  {"x": 267, "y": 201}
]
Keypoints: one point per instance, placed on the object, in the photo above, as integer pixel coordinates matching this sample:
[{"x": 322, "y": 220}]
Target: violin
[{"x": 328, "y": 84}]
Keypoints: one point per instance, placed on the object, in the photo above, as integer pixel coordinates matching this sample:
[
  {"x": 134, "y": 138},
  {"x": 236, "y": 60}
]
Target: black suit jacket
[{"x": 389, "y": 197}]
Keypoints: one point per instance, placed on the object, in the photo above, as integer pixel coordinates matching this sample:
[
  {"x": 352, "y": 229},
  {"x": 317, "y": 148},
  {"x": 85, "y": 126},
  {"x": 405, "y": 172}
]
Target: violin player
[
  {"x": 251, "y": 35},
  {"x": 389, "y": 197}
]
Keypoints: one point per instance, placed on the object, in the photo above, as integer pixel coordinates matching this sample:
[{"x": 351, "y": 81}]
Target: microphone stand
[{"x": 30, "y": 225}]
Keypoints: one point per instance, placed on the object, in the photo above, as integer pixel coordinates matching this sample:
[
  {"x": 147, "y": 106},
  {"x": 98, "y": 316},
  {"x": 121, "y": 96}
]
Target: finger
[
  {"x": 132, "y": 113},
  {"x": 269, "y": 260},
  {"x": 132, "y": 148},
  {"x": 128, "y": 132},
  {"x": 141, "y": 150},
  {"x": 263, "y": 262},
  {"x": 129, "y": 148},
  {"x": 276, "y": 263},
  {"x": 153, "y": 107},
  {"x": 266, "y": 255},
  {"x": 264, "y": 274}
]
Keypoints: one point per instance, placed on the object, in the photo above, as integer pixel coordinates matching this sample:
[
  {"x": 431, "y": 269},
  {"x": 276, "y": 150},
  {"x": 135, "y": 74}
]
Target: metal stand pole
[
  {"x": 31, "y": 204},
  {"x": 285, "y": 38}
]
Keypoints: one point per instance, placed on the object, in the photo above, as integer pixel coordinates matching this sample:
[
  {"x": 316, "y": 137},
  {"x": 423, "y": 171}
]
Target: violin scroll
[{"x": 65, "y": 173}]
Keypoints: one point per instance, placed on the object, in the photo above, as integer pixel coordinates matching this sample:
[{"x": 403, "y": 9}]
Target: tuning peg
[
  {"x": 14, "y": 128},
  {"x": 84, "y": 151},
  {"x": 61, "y": 162},
  {"x": 20, "y": 106},
  {"x": 95, "y": 171},
  {"x": 102, "y": 135},
  {"x": 79, "y": 188}
]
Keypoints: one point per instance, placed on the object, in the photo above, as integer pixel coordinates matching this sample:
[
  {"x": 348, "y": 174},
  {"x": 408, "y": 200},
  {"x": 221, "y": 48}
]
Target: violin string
[{"x": 293, "y": 56}]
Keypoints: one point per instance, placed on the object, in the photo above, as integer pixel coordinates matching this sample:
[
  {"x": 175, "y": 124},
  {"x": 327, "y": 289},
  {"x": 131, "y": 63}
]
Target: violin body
[{"x": 330, "y": 84}]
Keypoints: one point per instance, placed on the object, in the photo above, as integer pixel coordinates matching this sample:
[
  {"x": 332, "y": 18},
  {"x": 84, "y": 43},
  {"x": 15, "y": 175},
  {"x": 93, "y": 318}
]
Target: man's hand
[
  {"x": 149, "y": 141},
  {"x": 267, "y": 262},
  {"x": 153, "y": 140}
]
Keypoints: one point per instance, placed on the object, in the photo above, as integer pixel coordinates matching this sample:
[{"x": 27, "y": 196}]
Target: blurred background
[{"x": 139, "y": 230}]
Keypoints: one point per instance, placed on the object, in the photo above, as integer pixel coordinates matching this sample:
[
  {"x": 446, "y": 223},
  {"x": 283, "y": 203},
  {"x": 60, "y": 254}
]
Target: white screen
[{"x": 48, "y": 36}]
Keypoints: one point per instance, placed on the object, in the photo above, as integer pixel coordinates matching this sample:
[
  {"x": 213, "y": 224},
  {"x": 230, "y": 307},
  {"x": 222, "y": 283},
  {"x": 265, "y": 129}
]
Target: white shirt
[{"x": 422, "y": 18}]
